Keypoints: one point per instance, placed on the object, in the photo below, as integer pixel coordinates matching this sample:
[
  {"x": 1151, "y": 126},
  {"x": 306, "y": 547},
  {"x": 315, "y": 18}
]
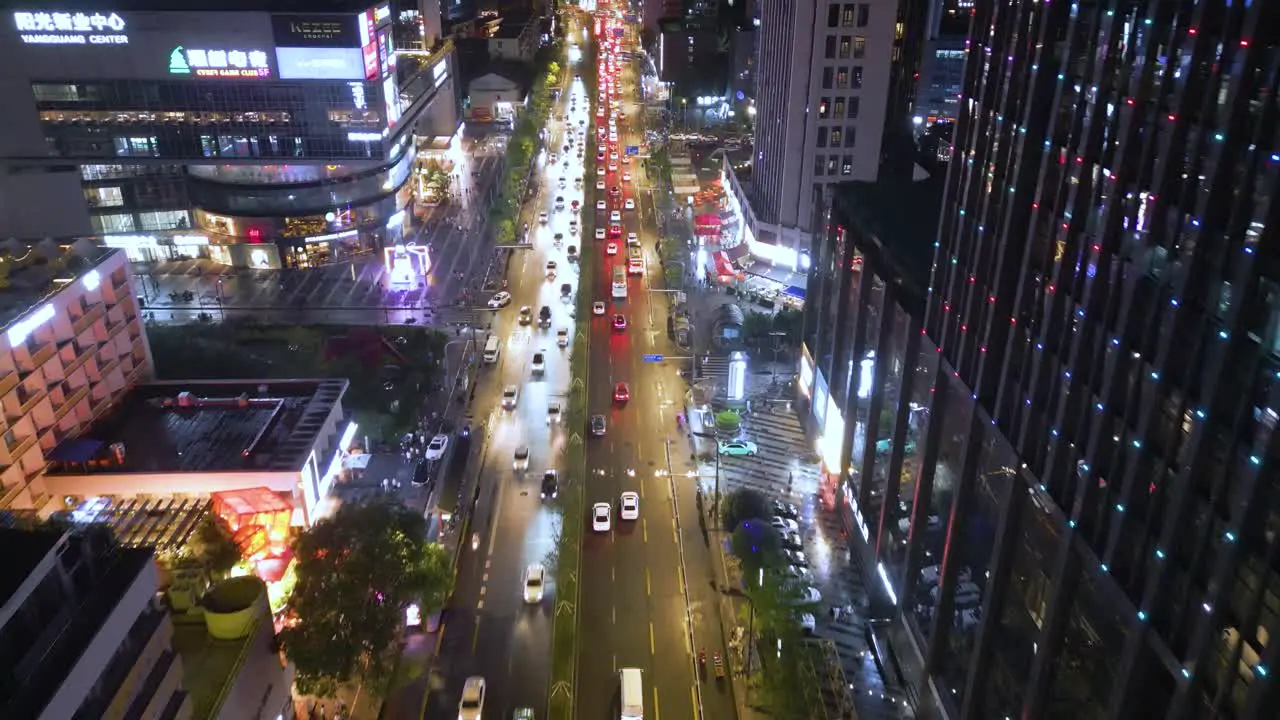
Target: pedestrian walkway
[{"x": 779, "y": 469}]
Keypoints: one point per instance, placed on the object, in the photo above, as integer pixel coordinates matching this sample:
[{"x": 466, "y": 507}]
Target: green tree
[
  {"x": 357, "y": 573},
  {"x": 756, "y": 543},
  {"x": 741, "y": 504},
  {"x": 213, "y": 545},
  {"x": 786, "y": 684},
  {"x": 757, "y": 325},
  {"x": 791, "y": 322}
]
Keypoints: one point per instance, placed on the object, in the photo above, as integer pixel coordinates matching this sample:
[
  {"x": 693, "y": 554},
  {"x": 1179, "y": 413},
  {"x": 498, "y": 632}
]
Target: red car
[
  {"x": 621, "y": 393},
  {"x": 619, "y": 322},
  {"x": 615, "y": 231}
]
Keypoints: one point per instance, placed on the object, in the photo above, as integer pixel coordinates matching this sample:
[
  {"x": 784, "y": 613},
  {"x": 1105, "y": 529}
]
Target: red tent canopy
[{"x": 707, "y": 220}]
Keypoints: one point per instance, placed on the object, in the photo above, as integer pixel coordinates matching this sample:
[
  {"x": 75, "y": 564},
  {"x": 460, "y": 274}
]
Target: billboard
[
  {"x": 316, "y": 63},
  {"x": 316, "y": 31}
]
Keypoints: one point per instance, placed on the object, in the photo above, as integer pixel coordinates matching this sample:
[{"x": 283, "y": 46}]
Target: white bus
[
  {"x": 619, "y": 283},
  {"x": 635, "y": 261}
]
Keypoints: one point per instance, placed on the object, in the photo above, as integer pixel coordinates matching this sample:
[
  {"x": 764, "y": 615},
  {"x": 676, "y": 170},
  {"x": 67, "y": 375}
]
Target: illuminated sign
[
  {"x": 440, "y": 72},
  {"x": 190, "y": 240},
  {"x": 319, "y": 63},
  {"x": 316, "y": 31},
  {"x": 370, "y": 62},
  {"x": 382, "y": 14},
  {"x": 364, "y": 136},
  {"x": 332, "y": 236},
  {"x": 68, "y": 28},
  {"x": 91, "y": 280},
  {"x": 21, "y": 330},
  {"x": 219, "y": 63},
  {"x": 391, "y": 100},
  {"x": 357, "y": 96}
]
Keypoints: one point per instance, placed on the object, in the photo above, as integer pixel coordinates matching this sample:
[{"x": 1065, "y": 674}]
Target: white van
[
  {"x": 632, "y": 687},
  {"x": 491, "y": 348}
]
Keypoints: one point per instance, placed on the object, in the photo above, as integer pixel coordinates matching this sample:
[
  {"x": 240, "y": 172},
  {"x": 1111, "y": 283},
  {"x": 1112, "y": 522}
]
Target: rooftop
[
  {"x": 23, "y": 551},
  {"x": 204, "y": 426},
  {"x": 897, "y": 220},
  {"x": 30, "y": 273},
  {"x": 311, "y": 7},
  {"x": 513, "y": 25}
]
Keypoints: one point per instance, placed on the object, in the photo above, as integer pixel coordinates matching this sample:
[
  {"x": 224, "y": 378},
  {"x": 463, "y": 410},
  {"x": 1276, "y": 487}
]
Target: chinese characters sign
[
  {"x": 70, "y": 28},
  {"x": 219, "y": 63}
]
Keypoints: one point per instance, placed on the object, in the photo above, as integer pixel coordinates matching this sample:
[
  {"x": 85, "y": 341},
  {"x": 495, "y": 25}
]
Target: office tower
[
  {"x": 1077, "y": 485},
  {"x": 832, "y": 79},
  {"x": 942, "y": 63}
]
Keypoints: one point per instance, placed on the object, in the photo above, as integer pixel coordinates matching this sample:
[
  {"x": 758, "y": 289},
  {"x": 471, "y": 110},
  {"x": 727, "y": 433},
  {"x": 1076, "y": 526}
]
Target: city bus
[
  {"x": 635, "y": 261},
  {"x": 619, "y": 283}
]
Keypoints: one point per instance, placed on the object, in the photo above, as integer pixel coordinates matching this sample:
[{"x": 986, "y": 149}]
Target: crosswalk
[{"x": 712, "y": 368}]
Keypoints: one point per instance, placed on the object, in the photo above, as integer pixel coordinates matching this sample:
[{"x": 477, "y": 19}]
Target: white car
[
  {"x": 630, "y": 204},
  {"x": 573, "y": 227},
  {"x": 437, "y": 446},
  {"x": 600, "y": 517},
  {"x": 613, "y": 167},
  {"x": 599, "y": 236},
  {"x": 599, "y": 185},
  {"x": 626, "y": 177},
  {"x": 534, "y": 579},
  {"x": 597, "y": 308},
  {"x": 553, "y": 413},
  {"x": 632, "y": 239},
  {"x": 615, "y": 217},
  {"x": 600, "y": 205},
  {"x": 510, "y": 396},
  {"x": 785, "y": 524},
  {"x": 613, "y": 156},
  {"x": 629, "y": 509},
  {"x": 807, "y": 623},
  {"x": 599, "y": 171},
  {"x": 500, "y": 300},
  {"x": 542, "y": 217},
  {"x": 552, "y": 158},
  {"x": 520, "y": 460},
  {"x": 471, "y": 706},
  {"x": 551, "y": 269},
  {"x": 805, "y": 596},
  {"x": 539, "y": 363}
]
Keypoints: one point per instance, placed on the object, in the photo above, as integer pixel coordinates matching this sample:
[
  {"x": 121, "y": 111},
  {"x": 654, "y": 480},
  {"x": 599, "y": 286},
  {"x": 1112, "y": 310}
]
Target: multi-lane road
[
  {"x": 647, "y": 599},
  {"x": 647, "y": 593},
  {"x": 489, "y": 630}
]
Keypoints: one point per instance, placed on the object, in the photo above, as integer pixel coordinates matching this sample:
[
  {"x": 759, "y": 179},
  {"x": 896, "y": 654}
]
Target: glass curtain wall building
[{"x": 1071, "y": 505}]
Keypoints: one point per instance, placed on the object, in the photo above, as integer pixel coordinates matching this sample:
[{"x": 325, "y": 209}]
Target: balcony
[
  {"x": 8, "y": 382},
  {"x": 30, "y": 364},
  {"x": 30, "y": 402},
  {"x": 90, "y": 317},
  {"x": 10, "y": 493},
  {"x": 17, "y": 451},
  {"x": 71, "y": 402},
  {"x": 82, "y": 354}
]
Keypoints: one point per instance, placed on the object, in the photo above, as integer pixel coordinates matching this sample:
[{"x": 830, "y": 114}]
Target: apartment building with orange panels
[{"x": 72, "y": 345}]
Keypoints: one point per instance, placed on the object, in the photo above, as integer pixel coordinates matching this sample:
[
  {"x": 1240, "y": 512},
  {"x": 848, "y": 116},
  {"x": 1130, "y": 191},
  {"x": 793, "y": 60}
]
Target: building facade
[
  {"x": 942, "y": 63},
  {"x": 262, "y": 138},
  {"x": 1069, "y": 509},
  {"x": 73, "y": 345},
  {"x": 86, "y": 635},
  {"x": 833, "y": 80}
]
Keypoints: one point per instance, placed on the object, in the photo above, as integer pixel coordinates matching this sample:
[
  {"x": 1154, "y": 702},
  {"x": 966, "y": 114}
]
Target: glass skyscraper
[{"x": 1062, "y": 456}]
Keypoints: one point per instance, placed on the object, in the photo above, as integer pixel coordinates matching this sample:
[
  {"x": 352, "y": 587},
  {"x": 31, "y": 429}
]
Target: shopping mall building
[{"x": 246, "y": 131}]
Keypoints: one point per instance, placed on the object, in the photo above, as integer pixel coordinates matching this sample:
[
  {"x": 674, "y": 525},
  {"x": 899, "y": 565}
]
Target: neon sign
[
  {"x": 219, "y": 63},
  {"x": 67, "y": 28}
]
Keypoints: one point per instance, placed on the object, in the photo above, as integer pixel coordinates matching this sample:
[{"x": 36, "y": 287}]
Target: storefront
[{"x": 158, "y": 248}]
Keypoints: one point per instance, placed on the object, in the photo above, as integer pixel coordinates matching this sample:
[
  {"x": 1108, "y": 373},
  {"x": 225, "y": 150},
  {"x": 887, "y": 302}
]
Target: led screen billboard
[{"x": 320, "y": 63}]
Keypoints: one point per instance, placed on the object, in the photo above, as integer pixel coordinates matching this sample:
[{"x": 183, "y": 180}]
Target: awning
[
  {"x": 794, "y": 291},
  {"x": 737, "y": 252},
  {"x": 707, "y": 220},
  {"x": 76, "y": 451}
]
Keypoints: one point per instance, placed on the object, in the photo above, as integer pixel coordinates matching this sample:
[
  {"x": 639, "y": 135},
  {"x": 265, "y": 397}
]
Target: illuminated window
[
  {"x": 846, "y": 47},
  {"x": 859, "y": 46},
  {"x": 825, "y": 106},
  {"x": 104, "y": 197},
  {"x": 846, "y": 165},
  {"x": 842, "y": 78},
  {"x": 839, "y": 107}
]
